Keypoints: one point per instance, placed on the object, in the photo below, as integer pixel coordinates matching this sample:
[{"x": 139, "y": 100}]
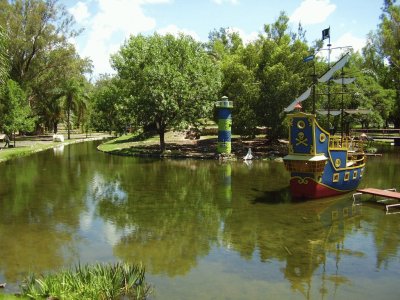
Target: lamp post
[{"x": 224, "y": 125}]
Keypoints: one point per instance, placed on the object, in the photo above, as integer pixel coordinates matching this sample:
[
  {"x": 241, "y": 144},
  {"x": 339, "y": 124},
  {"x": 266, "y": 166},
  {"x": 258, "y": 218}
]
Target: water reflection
[
  {"x": 59, "y": 150},
  {"x": 180, "y": 217},
  {"x": 40, "y": 205},
  {"x": 173, "y": 226}
]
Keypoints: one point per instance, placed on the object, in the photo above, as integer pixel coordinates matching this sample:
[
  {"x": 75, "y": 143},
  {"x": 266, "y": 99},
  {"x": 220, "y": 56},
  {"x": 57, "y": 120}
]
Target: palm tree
[{"x": 73, "y": 91}]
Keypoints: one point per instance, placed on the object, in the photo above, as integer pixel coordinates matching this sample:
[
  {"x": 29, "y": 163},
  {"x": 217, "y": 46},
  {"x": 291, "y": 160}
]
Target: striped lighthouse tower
[{"x": 224, "y": 125}]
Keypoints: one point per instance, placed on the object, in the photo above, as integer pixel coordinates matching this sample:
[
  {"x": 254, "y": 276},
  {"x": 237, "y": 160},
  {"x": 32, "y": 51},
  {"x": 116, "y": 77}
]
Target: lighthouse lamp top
[{"x": 224, "y": 103}]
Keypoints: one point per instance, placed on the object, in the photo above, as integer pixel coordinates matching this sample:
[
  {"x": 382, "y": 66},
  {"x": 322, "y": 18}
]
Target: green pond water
[{"x": 202, "y": 229}]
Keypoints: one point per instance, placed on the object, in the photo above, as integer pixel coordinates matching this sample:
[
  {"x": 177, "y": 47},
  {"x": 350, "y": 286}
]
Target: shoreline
[
  {"x": 178, "y": 147},
  {"x": 27, "y": 145}
]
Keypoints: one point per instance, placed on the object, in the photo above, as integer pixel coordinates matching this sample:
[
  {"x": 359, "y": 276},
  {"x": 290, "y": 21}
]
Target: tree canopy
[
  {"x": 3, "y": 56},
  {"x": 166, "y": 82},
  {"x": 170, "y": 80},
  {"x": 41, "y": 58}
]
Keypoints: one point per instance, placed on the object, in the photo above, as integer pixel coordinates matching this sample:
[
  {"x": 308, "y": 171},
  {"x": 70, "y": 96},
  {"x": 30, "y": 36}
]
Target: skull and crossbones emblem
[{"x": 301, "y": 139}]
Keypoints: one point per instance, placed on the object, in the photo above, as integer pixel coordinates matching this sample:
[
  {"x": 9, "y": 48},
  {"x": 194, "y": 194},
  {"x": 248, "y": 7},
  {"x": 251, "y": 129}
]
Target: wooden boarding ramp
[{"x": 386, "y": 194}]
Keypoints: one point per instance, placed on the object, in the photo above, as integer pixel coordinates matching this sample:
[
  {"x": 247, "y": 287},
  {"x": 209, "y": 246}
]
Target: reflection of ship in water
[
  {"x": 306, "y": 238},
  {"x": 322, "y": 253}
]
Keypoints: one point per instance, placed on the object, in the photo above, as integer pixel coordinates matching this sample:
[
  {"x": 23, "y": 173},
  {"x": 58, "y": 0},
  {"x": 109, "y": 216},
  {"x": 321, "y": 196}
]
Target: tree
[
  {"x": 262, "y": 77},
  {"x": 61, "y": 91},
  {"x": 110, "y": 111},
  {"x": 239, "y": 84},
  {"x": 15, "y": 111},
  {"x": 389, "y": 34},
  {"x": 36, "y": 28},
  {"x": 172, "y": 80},
  {"x": 281, "y": 73},
  {"x": 224, "y": 42},
  {"x": 3, "y": 57},
  {"x": 40, "y": 53},
  {"x": 368, "y": 90},
  {"x": 72, "y": 91}
]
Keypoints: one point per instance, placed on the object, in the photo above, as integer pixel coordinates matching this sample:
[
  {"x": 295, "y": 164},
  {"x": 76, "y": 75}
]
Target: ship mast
[
  {"x": 326, "y": 77},
  {"x": 326, "y": 34}
]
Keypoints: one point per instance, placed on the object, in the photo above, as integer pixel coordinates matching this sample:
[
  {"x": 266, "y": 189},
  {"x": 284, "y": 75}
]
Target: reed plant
[{"x": 99, "y": 281}]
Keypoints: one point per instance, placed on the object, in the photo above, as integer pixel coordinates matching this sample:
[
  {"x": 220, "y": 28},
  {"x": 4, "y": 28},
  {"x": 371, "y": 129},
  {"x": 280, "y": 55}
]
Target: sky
[{"x": 108, "y": 24}]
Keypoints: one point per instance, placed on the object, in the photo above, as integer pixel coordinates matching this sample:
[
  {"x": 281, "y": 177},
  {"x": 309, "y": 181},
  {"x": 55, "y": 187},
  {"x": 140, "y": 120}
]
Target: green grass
[
  {"x": 11, "y": 297},
  {"x": 133, "y": 144},
  {"x": 9, "y": 153},
  {"x": 121, "y": 142},
  {"x": 35, "y": 146},
  {"x": 100, "y": 281}
]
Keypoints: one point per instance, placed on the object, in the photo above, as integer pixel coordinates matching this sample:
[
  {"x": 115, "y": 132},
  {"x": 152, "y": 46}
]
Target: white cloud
[
  {"x": 345, "y": 41},
  {"x": 312, "y": 12},
  {"x": 80, "y": 12},
  {"x": 348, "y": 39},
  {"x": 174, "y": 30},
  {"x": 120, "y": 18},
  {"x": 219, "y": 2}
]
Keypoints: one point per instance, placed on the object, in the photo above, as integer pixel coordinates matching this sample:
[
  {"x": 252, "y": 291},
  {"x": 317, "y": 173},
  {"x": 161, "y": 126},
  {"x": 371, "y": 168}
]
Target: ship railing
[
  {"x": 337, "y": 142},
  {"x": 346, "y": 142},
  {"x": 355, "y": 160}
]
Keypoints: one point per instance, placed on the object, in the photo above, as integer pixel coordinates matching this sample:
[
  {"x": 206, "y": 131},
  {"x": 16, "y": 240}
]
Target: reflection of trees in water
[
  {"x": 386, "y": 239},
  {"x": 383, "y": 172},
  {"x": 168, "y": 214},
  {"x": 171, "y": 208},
  {"x": 177, "y": 210},
  {"x": 41, "y": 200}
]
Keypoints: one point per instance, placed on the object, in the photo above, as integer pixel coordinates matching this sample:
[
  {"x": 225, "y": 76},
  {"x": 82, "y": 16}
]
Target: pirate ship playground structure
[{"x": 321, "y": 164}]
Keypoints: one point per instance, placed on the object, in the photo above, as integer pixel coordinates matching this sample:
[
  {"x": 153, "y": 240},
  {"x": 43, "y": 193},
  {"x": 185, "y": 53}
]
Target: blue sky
[{"x": 108, "y": 23}]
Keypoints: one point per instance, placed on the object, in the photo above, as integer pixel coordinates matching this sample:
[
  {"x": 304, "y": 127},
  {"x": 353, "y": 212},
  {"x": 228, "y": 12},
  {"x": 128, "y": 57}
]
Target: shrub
[{"x": 100, "y": 281}]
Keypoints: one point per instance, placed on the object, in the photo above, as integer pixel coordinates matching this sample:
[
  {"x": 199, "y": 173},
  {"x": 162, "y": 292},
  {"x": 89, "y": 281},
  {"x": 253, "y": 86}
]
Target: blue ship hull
[{"x": 321, "y": 165}]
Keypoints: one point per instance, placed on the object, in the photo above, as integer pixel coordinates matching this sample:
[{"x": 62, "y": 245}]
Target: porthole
[
  {"x": 335, "y": 177},
  {"x": 346, "y": 176},
  {"x": 338, "y": 162},
  {"x": 301, "y": 124},
  {"x": 322, "y": 137}
]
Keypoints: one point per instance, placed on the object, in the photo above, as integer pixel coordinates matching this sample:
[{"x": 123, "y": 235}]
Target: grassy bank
[
  {"x": 28, "y": 145},
  {"x": 149, "y": 145}
]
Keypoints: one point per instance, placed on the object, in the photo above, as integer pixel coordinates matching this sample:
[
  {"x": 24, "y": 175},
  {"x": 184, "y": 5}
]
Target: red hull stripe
[{"x": 311, "y": 189}]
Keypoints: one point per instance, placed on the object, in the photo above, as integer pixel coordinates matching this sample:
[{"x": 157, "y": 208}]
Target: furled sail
[
  {"x": 301, "y": 98},
  {"x": 344, "y": 80},
  {"x": 340, "y": 64}
]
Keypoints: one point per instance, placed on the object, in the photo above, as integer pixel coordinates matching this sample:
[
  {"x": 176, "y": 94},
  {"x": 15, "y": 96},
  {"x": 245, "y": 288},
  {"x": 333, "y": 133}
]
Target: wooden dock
[
  {"x": 382, "y": 193},
  {"x": 389, "y": 194}
]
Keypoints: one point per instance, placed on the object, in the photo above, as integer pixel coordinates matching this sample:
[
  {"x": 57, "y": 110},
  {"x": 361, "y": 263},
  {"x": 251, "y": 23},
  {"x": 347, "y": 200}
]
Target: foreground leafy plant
[{"x": 100, "y": 281}]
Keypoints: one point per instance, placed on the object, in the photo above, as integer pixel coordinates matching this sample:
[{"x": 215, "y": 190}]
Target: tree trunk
[
  {"x": 55, "y": 127},
  {"x": 68, "y": 123},
  {"x": 161, "y": 132},
  {"x": 162, "y": 139}
]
